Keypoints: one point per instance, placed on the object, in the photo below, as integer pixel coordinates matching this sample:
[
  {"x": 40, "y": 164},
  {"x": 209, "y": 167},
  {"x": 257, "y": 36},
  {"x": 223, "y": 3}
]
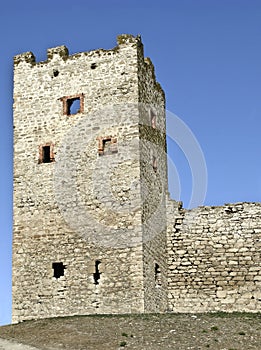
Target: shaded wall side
[{"x": 153, "y": 186}]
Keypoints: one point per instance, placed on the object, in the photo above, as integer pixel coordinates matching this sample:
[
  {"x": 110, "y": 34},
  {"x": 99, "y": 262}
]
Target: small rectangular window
[
  {"x": 58, "y": 269},
  {"x": 46, "y": 153},
  {"x": 107, "y": 145},
  {"x": 72, "y": 104}
]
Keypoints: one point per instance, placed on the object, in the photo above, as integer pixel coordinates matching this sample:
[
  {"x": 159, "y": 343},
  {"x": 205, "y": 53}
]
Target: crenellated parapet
[
  {"x": 62, "y": 52},
  {"x": 126, "y": 39},
  {"x": 27, "y": 57}
]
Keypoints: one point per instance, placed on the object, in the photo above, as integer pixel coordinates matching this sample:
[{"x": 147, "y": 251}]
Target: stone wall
[{"x": 214, "y": 258}]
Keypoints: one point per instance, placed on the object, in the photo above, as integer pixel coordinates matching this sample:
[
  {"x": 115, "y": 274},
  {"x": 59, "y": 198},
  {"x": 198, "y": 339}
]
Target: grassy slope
[{"x": 236, "y": 331}]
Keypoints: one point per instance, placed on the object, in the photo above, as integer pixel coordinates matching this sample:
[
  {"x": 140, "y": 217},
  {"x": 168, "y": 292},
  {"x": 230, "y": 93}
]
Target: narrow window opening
[
  {"x": 106, "y": 146},
  {"x": 46, "y": 154},
  {"x": 97, "y": 273},
  {"x": 73, "y": 106},
  {"x": 55, "y": 73},
  {"x": 93, "y": 65},
  {"x": 157, "y": 275},
  {"x": 58, "y": 269},
  {"x": 154, "y": 164},
  {"x": 153, "y": 119}
]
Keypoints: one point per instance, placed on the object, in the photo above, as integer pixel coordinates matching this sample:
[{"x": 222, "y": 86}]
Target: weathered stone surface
[
  {"x": 107, "y": 215},
  {"x": 94, "y": 230},
  {"x": 223, "y": 267}
]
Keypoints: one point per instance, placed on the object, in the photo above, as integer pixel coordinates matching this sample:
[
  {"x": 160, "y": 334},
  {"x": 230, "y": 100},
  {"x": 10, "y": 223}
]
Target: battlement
[{"x": 62, "y": 52}]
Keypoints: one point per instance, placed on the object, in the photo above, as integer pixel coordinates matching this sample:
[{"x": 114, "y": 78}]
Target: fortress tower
[{"x": 89, "y": 184}]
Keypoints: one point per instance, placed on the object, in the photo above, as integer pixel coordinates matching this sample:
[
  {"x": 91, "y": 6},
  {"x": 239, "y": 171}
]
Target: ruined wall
[{"x": 214, "y": 258}]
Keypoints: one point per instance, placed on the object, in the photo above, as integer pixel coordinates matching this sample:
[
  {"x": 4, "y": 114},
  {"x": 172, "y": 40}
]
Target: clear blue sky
[{"x": 207, "y": 56}]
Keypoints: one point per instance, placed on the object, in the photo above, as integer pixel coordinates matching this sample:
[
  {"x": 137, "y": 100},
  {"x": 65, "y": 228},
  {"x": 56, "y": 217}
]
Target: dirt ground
[{"x": 217, "y": 331}]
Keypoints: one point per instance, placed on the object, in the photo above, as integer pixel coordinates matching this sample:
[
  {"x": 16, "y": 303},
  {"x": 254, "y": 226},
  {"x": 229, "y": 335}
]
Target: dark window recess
[
  {"x": 46, "y": 153},
  {"x": 58, "y": 269},
  {"x": 153, "y": 119},
  {"x": 55, "y": 73},
  {"x": 157, "y": 275},
  {"x": 93, "y": 65},
  {"x": 107, "y": 145},
  {"x": 97, "y": 273},
  {"x": 73, "y": 106}
]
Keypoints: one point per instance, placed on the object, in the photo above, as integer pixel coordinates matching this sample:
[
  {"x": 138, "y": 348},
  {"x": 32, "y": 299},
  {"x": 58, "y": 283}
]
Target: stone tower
[{"x": 89, "y": 184}]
